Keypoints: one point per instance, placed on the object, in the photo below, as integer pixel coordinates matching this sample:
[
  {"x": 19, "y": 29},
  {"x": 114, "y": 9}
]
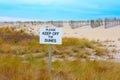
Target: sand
[
  {"x": 99, "y": 33},
  {"x": 110, "y": 36}
]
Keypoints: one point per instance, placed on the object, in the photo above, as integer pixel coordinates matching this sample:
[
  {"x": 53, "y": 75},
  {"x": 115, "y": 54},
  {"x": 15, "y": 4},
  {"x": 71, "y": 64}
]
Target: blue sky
[{"x": 12, "y": 10}]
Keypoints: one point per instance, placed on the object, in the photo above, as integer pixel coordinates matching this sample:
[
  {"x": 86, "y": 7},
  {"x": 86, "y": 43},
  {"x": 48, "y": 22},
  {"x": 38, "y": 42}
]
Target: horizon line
[{"x": 11, "y": 19}]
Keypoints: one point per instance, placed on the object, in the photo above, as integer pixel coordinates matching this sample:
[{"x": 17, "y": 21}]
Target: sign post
[
  {"x": 50, "y": 58},
  {"x": 50, "y": 36}
]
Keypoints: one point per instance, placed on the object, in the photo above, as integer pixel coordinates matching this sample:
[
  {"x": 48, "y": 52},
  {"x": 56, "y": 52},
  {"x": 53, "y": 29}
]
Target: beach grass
[
  {"x": 22, "y": 58},
  {"x": 13, "y": 68},
  {"x": 19, "y": 42}
]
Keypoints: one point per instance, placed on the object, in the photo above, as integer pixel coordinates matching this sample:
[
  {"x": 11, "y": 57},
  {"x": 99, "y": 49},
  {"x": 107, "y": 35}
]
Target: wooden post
[{"x": 50, "y": 58}]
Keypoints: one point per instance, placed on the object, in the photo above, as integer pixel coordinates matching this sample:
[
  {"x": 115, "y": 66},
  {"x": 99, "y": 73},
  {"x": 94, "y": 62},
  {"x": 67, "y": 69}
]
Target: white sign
[{"x": 51, "y": 35}]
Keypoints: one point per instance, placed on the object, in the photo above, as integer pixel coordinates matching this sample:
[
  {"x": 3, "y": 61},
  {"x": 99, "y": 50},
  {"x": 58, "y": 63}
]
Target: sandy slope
[
  {"x": 99, "y": 33},
  {"x": 110, "y": 36}
]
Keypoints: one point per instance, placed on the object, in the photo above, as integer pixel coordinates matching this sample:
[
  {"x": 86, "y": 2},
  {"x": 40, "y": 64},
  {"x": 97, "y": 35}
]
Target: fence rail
[{"x": 107, "y": 23}]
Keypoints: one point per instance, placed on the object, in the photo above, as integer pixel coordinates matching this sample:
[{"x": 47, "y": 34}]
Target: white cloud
[{"x": 5, "y": 18}]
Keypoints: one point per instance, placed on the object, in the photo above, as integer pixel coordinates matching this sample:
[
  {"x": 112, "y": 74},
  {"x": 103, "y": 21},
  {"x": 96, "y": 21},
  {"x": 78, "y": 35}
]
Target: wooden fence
[
  {"x": 107, "y": 23},
  {"x": 77, "y": 24},
  {"x": 111, "y": 22}
]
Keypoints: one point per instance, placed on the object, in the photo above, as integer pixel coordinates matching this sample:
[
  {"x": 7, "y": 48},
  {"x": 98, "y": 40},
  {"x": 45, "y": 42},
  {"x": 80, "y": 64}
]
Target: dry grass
[
  {"x": 101, "y": 51},
  {"x": 13, "y": 67},
  {"x": 90, "y": 70},
  {"x": 118, "y": 39},
  {"x": 19, "y": 42}
]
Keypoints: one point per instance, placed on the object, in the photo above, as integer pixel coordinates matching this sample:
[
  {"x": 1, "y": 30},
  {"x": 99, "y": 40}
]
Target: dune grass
[
  {"x": 13, "y": 68},
  {"x": 89, "y": 70},
  {"x": 19, "y": 42},
  {"x": 13, "y": 44},
  {"x": 118, "y": 39}
]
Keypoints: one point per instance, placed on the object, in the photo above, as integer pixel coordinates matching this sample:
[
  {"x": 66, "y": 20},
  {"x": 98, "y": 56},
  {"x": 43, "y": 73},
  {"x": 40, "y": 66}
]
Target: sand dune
[
  {"x": 111, "y": 35},
  {"x": 99, "y": 33}
]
